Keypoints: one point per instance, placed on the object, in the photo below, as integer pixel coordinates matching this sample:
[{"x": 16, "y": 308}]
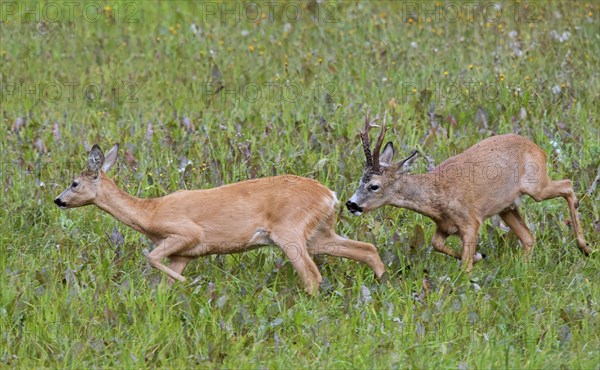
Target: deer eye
[
  {"x": 373, "y": 187},
  {"x": 74, "y": 184}
]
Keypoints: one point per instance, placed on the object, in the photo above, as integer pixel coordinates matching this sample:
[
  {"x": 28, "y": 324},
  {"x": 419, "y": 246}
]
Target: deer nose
[
  {"x": 353, "y": 207},
  {"x": 59, "y": 202}
]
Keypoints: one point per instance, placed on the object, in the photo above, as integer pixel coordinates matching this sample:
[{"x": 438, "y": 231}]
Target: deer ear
[
  {"x": 387, "y": 155},
  {"x": 95, "y": 159},
  {"x": 405, "y": 165},
  {"x": 111, "y": 158}
]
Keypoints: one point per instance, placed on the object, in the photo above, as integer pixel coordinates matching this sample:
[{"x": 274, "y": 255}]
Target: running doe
[{"x": 295, "y": 213}]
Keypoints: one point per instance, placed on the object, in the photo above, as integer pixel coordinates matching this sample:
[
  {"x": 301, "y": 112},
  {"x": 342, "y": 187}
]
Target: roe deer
[
  {"x": 458, "y": 195},
  {"x": 295, "y": 213}
]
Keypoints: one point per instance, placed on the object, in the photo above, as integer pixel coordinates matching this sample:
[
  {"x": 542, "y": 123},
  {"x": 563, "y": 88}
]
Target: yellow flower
[
  {"x": 445, "y": 73},
  {"x": 470, "y": 66},
  {"x": 501, "y": 77},
  {"x": 527, "y": 78},
  {"x": 251, "y": 48},
  {"x": 108, "y": 9}
]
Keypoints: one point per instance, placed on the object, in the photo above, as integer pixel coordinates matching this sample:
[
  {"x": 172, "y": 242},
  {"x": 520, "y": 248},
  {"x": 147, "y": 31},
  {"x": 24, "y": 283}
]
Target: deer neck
[
  {"x": 419, "y": 193},
  {"x": 126, "y": 208}
]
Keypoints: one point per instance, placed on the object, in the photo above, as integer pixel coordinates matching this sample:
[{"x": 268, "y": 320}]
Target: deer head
[
  {"x": 85, "y": 187},
  {"x": 381, "y": 178}
]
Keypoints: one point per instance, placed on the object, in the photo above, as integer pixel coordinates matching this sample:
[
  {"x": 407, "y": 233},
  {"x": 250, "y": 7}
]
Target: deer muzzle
[
  {"x": 354, "y": 208},
  {"x": 60, "y": 203}
]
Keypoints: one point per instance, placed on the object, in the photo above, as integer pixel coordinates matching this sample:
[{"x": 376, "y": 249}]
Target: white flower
[
  {"x": 556, "y": 89},
  {"x": 560, "y": 38},
  {"x": 195, "y": 30}
]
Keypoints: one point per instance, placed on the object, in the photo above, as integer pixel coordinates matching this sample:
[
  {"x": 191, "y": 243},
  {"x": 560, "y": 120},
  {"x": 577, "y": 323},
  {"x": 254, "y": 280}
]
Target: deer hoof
[
  {"x": 478, "y": 257},
  {"x": 384, "y": 278}
]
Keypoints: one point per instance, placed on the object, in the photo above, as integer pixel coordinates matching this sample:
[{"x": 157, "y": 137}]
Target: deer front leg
[
  {"x": 166, "y": 248},
  {"x": 439, "y": 244},
  {"x": 438, "y": 241},
  {"x": 177, "y": 264}
]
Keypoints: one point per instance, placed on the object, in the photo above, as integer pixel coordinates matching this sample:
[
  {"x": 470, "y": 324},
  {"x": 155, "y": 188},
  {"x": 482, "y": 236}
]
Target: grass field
[{"x": 201, "y": 94}]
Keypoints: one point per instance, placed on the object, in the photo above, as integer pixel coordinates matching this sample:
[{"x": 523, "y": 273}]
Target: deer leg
[
  {"x": 296, "y": 251},
  {"x": 177, "y": 264},
  {"x": 515, "y": 222},
  {"x": 335, "y": 245},
  {"x": 469, "y": 243},
  {"x": 563, "y": 188},
  {"x": 166, "y": 248},
  {"x": 438, "y": 241}
]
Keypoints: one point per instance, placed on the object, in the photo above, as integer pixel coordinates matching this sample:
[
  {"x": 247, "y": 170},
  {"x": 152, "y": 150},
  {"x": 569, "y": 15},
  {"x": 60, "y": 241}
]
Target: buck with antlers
[
  {"x": 295, "y": 213},
  {"x": 458, "y": 195}
]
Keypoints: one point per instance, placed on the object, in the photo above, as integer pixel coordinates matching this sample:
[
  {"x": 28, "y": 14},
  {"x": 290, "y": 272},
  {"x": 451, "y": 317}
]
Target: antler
[
  {"x": 364, "y": 135},
  {"x": 373, "y": 157},
  {"x": 377, "y": 150}
]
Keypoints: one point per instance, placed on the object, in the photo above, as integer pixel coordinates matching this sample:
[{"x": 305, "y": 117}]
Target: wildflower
[
  {"x": 501, "y": 77},
  {"x": 445, "y": 73},
  {"x": 470, "y": 66},
  {"x": 251, "y": 48}
]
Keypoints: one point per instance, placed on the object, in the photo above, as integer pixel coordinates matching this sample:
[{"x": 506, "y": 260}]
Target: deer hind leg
[
  {"x": 167, "y": 248},
  {"x": 562, "y": 188},
  {"x": 335, "y": 245},
  {"x": 515, "y": 222},
  {"x": 438, "y": 241},
  {"x": 296, "y": 251}
]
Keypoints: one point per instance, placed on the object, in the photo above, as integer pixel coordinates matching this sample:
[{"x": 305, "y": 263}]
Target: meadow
[{"x": 200, "y": 94}]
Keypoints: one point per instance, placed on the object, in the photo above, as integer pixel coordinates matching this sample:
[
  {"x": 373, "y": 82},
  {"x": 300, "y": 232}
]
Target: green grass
[{"x": 70, "y": 297}]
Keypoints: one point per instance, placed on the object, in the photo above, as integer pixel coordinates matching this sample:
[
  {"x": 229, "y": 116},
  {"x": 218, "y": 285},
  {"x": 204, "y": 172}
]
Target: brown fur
[
  {"x": 295, "y": 213},
  {"x": 485, "y": 180}
]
